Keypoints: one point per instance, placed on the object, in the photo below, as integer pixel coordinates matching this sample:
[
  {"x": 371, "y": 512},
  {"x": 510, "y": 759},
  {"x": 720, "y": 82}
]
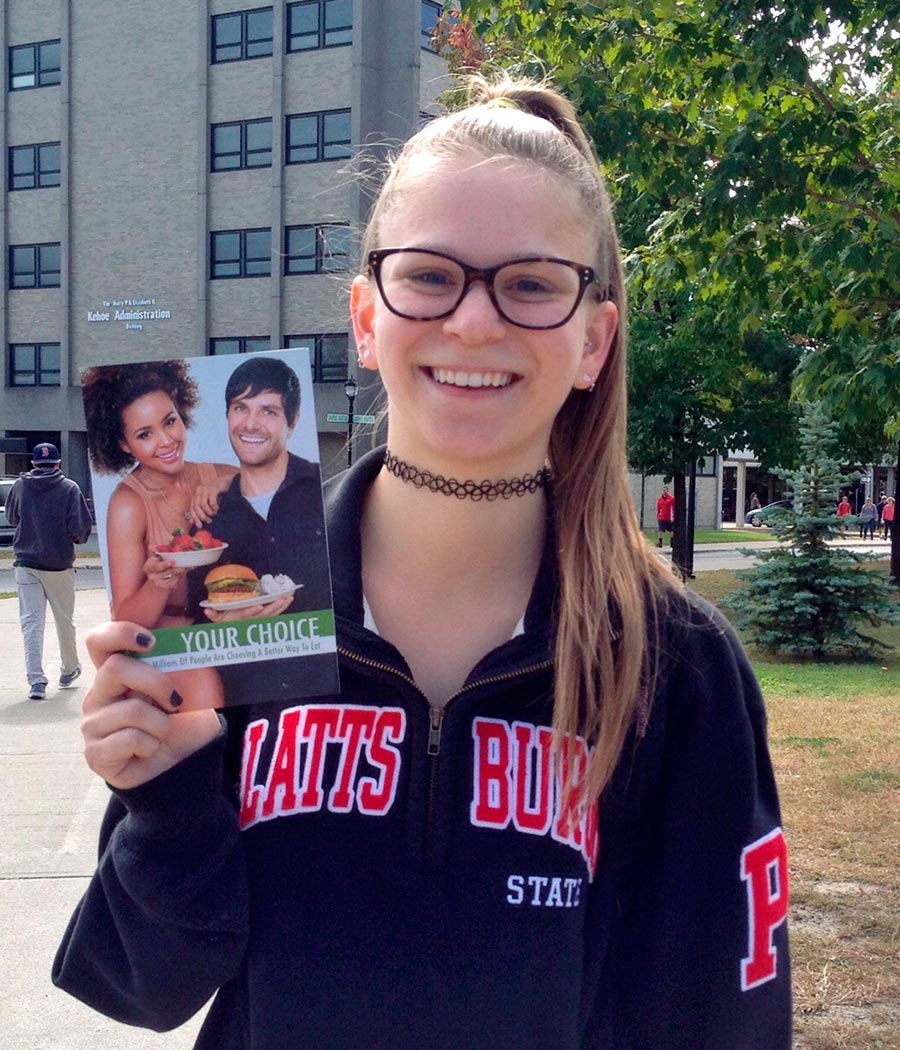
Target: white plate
[
  {"x": 191, "y": 559},
  {"x": 248, "y": 603}
]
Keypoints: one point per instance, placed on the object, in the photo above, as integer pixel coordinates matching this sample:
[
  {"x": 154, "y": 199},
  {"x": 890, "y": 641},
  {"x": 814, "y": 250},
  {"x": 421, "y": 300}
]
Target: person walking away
[
  {"x": 867, "y": 517},
  {"x": 50, "y": 516},
  {"x": 887, "y": 517},
  {"x": 665, "y": 515}
]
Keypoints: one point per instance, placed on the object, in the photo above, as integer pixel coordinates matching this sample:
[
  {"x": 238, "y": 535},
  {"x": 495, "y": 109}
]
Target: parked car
[
  {"x": 763, "y": 515},
  {"x": 6, "y": 530}
]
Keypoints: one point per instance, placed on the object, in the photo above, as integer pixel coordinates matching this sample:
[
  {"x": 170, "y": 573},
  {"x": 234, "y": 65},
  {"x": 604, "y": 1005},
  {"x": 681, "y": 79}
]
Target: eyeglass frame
[{"x": 587, "y": 276}]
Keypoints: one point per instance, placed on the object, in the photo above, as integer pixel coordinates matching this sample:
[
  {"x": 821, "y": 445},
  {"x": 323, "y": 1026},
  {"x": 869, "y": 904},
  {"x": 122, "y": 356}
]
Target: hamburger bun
[{"x": 230, "y": 583}]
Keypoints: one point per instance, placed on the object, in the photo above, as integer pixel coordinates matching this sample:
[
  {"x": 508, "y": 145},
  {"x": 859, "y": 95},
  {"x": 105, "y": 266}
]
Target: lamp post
[{"x": 350, "y": 389}]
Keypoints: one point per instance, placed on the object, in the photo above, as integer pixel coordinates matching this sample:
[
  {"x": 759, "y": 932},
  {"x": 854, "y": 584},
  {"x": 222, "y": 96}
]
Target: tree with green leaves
[
  {"x": 754, "y": 150},
  {"x": 808, "y": 597}
]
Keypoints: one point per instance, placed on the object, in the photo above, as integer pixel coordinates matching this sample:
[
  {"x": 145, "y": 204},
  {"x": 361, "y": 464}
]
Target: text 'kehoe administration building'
[{"x": 177, "y": 184}]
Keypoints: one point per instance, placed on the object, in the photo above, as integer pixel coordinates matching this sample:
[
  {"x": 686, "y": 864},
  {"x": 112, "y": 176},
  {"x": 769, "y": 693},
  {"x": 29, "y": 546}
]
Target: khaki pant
[{"x": 37, "y": 587}]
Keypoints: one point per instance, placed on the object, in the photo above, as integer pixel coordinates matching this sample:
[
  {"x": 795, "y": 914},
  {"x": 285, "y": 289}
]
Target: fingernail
[
  {"x": 143, "y": 640},
  {"x": 176, "y": 699}
]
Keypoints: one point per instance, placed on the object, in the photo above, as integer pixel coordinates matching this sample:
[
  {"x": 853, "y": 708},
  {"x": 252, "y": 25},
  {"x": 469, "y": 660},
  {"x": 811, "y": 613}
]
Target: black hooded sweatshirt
[{"x": 361, "y": 872}]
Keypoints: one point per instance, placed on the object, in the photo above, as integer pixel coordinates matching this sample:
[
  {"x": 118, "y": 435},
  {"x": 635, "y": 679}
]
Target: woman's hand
[
  {"x": 205, "y": 503},
  {"x": 130, "y": 729},
  {"x": 163, "y": 573}
]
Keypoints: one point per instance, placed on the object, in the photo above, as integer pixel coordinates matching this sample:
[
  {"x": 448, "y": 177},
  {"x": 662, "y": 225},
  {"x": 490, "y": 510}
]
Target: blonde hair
[{"x": 612, "y": 587}]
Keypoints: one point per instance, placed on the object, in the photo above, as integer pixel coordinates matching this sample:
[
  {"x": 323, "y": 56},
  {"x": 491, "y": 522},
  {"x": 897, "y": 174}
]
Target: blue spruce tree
[{"x": 809, "y": 598}]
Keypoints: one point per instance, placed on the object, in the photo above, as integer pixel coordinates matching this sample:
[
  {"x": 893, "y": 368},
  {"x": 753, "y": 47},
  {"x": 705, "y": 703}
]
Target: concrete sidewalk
[{"x": 51, "y": 816}]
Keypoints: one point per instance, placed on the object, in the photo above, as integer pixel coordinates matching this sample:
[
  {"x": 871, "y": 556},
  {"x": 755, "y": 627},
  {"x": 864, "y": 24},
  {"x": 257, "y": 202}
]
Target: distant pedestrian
[
  {"x": 665, "y": 515},
  {"x": 844, "y": 510},
  {"x": 754, "y": 501},
  {"x": 879, "y": 506},
  {"x": 50, "y": 516},
  {"x": 867, "y": 518},
  {"x": 887, "y": 518}
]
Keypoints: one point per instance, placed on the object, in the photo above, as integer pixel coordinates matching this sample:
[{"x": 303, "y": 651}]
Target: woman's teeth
[{"x": 471, "y": 379}]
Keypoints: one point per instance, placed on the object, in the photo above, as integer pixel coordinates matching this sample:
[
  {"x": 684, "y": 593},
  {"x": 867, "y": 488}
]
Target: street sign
[{"x": 343, "y": 417}]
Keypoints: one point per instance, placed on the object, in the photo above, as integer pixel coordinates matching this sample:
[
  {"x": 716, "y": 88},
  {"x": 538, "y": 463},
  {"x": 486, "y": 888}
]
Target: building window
[
  {"x": 241, "y": 253},
  {"x": 242, "y": 144},
  {"x": 316, "y": 249},
  {"x": 312, "y": 137},
  {"x": 34, "y": 167},
  {"x": 314, "y": 24},
  {"x": 34, "y": 364},
  {"x": 244, "y": 34},
  {"x": 431, "y": 13},
  {"x": 328, "y": 355},
  {"x": 241, "y": 344},
  {"x": 34, "y": 266},
  {"x": 34, "y": 65}
]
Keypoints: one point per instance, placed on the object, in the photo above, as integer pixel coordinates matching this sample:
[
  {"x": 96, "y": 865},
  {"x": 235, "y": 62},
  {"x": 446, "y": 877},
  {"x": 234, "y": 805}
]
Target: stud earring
[
  {"x": 363, "y": 356},
  {"x": 588, "y": 381}
]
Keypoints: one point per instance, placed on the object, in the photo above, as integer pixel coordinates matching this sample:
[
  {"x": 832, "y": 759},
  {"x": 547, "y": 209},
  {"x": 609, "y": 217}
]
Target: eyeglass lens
[{"x": 539, "y": 293}]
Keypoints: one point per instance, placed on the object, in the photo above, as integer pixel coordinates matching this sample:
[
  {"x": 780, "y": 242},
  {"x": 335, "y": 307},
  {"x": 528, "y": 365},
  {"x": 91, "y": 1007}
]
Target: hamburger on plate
[{"x": 231, "y": 583}]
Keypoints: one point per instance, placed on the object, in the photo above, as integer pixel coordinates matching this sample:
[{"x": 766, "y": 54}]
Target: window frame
[
  {"x": 243, "y": 152},
  {"x": 322, "y": 31},
  {"x": 40, "y": 272},
  {"x": 242, "y": 259},
  {"x": 426, "y": 37},
  {"x": 320, "y": 144},
  {"x": 315, "y": 342},
  {"x": 321, "y": 255},
  {"x": 38, "y": 173},
  {"x": 242, "y": 342},
  {"x": 244, "y": 43},
  {"x": 43, "y": 74},
  {"x": 38, "y": 372}
]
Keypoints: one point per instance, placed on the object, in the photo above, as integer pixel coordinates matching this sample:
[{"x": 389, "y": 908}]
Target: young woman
[
  {"x": 138, "y": 417},
  {"x": 541, "y": 812}
]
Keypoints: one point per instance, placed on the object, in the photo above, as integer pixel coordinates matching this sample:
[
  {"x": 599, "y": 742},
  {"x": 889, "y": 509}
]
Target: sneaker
[
  {"x": 38, "y": 691},
  {"x": 65, "y": 680}
]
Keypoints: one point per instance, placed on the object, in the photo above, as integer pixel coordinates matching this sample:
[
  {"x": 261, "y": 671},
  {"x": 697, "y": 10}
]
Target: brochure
[{"x": 208, "y": 494}]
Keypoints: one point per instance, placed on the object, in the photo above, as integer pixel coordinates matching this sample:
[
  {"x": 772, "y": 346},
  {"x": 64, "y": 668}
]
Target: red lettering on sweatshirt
[
  {"x": 316, "y": 762},
  {"x": 519, "y": 778},
  {"x": 764, "y": 869}
]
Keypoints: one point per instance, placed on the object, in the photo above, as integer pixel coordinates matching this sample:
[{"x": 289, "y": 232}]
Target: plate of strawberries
[{"x": 188, "y": 550}]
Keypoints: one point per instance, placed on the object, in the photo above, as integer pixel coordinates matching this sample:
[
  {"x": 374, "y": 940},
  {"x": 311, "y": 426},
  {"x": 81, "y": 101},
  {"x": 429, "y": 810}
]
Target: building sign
[{"x": 133, "y": 312}]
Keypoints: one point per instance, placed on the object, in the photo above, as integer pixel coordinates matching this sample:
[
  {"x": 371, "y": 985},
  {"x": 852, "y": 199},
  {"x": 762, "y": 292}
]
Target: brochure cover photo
[{"x": 208, "y": 494}]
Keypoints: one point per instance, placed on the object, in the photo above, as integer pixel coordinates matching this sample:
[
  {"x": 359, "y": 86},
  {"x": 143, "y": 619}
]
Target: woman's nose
[{"x": 476, "y": 316}]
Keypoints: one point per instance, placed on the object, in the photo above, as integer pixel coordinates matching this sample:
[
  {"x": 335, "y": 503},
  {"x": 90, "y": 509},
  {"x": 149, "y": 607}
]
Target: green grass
[{"x": 720, "y": 535}]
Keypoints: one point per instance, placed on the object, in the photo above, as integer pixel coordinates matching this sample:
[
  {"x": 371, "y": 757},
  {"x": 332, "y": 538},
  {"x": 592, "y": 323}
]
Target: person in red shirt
[
  {"x": 665, "y": 515},
  {"x": 843, "y": 511}
]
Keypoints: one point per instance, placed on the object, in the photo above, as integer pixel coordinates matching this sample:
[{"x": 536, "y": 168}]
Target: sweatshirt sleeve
[
  {"x": 164, "y": 920},
  {"x": 700, "y": 951},
  {"x": 13, "y": 508},
  {"x": 79, "y": 521}
]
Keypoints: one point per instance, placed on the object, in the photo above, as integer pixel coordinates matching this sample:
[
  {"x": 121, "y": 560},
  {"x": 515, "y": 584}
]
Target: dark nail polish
[
  {"x": 176, "y": 699},
  {"x": 143, "y": 640}
]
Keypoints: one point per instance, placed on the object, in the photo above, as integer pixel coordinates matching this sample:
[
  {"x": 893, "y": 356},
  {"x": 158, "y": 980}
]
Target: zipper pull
[{"x": 434, "y": 733}]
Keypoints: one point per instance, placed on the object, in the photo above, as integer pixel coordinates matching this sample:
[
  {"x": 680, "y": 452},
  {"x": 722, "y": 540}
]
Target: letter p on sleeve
[{"x": 765, "y": 872}]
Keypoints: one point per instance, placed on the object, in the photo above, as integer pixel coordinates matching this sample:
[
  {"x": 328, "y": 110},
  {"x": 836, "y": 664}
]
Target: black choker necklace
[{"x": 474, "y": 490}]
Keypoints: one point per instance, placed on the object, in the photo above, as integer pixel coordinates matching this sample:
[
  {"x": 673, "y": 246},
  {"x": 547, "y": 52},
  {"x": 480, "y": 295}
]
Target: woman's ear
[
  {"x": 598, "y": 341},
  {"x": 362, "y": 314}
]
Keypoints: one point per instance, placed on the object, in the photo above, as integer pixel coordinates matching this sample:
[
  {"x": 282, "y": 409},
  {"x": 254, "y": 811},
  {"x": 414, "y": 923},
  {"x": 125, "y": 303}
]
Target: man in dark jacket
[
  {"x": 272, "y": 519},
  {"x": 50, "y": 516}
]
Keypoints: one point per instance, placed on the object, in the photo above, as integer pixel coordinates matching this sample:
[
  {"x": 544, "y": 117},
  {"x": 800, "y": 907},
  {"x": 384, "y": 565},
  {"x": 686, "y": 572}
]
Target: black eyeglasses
[{"x": 536, "y": 292}]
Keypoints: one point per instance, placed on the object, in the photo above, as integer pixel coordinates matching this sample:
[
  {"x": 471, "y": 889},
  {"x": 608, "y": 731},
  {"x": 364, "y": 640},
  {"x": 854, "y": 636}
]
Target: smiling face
[
  {"x": 472, "y": 394},
  {"x": 258, "y": 428},
  {"x": 154, "y": 433}
]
